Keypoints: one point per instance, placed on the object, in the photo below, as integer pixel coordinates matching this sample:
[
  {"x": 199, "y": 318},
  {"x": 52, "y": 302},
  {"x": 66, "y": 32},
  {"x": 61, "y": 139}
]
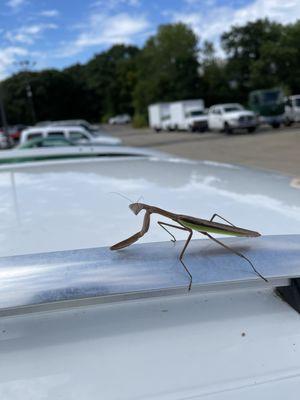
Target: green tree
[
  {"x": 243, "y": 46},
  {"x": 111, "y": 76},
  {"x": 167, "y": 67}
]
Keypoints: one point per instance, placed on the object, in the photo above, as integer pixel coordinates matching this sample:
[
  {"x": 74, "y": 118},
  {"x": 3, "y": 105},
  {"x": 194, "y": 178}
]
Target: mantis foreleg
[{"x": 136, "y": 236}]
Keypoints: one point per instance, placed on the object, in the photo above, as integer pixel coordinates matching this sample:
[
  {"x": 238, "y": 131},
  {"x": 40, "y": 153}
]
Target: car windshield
[
  {"x": 297, "y": 102},
  {"x": 271, "y": 97},
  {"x": 196, "y": 113},
  {"x": 232, "y": 108}
]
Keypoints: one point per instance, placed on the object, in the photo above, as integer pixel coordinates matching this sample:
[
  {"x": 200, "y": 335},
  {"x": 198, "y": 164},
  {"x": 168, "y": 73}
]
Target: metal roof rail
[{"x": 64, "y": 279}]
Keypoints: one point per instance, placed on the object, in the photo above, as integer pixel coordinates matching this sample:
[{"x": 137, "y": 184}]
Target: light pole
[
  {"x": 25, "y": 66},
  {"x": 3, "y": 114}
]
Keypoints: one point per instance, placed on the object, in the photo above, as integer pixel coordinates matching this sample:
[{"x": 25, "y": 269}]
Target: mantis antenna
[{"x": 127, "y": 198}]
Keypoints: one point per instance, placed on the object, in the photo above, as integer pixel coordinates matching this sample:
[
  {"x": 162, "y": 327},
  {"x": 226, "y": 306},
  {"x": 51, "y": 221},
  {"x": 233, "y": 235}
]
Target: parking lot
[{"x": 276, "y": 149}]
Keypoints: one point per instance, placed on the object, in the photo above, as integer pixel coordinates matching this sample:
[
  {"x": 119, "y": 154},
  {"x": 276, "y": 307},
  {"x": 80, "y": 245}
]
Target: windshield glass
[
  {"x": 232, "y": 108},
  {"x": 297, "y": 102},
  {"x": 271, "y": 97},
  {"x": 196, "y": 113}
]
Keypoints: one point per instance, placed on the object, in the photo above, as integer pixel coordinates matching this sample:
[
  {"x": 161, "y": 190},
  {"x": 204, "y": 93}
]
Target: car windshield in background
[
  {"x": 232, "y": 109},
  {"x": 271, "y": 97},
  {"x": 297, "y": 101},
  {"x": 196, "y": 113}
]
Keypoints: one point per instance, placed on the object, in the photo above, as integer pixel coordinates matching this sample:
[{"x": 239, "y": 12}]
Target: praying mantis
[{"x": 188, "y": 224}]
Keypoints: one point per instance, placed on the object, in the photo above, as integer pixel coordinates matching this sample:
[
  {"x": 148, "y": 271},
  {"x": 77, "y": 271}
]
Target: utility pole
[
  {"x": 3, "y": 114},
  {"x": 25, "y": 66}
]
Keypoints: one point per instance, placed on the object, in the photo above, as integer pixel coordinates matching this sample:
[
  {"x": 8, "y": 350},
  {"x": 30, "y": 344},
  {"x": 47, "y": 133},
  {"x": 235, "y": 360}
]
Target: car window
[
  {"x": 56, "y": 133},
  {"x": 77, "y": 135},
  {"x": 55, "y": 142},
  {"x": 34, "y": 136},
  {"x": 232, "y": 108}
]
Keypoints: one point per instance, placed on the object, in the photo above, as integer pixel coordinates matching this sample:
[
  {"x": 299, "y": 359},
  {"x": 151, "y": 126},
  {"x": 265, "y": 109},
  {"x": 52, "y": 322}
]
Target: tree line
[{"x": 173, "y": 64}]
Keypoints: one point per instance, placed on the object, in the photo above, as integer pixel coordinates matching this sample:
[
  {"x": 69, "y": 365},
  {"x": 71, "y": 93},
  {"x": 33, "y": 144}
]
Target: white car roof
[
  {"x": 53, "y": 127},
  {"x": 215, "y": 342},
  {"x": 77, "y": 195}
]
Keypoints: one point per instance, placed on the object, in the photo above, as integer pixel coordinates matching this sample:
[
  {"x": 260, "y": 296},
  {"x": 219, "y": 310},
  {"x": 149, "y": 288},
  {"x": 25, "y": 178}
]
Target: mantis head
[{"x": 136, "y": 207}]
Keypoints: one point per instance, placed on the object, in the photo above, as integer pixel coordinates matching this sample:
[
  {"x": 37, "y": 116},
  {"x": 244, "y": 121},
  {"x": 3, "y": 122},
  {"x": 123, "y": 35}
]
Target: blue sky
[{"x": 58, "y": 33}]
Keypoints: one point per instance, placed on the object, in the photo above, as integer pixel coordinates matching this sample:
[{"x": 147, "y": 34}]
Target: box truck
[
  {"x": 159, "y": 116},
  {"x": 188, "y": 115}
]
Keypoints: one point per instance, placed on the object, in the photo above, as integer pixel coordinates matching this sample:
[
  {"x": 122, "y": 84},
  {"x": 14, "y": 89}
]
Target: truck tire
[
  {"x": 227, "y": 129},
  {"x": 252, "y": 129},
  {"x": 275, "y": 125}
]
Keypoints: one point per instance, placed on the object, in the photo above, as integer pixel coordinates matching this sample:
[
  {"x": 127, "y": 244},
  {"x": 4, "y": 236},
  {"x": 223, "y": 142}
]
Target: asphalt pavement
[{"x": 268, "y": 148}]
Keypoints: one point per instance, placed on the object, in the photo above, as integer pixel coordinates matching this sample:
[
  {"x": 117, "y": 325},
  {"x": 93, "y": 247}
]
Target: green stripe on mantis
[{"x": 203, "y": 228}]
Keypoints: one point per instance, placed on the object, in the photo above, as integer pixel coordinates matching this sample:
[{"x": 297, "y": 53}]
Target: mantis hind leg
[
  {"x": 235, "y": 252},
  {"x": 217, "y": 215},
  {"x": 160, "y": 223}
]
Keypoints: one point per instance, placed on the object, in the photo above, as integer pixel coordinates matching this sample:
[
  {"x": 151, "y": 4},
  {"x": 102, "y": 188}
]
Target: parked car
[
  {"x": 5, "y": 142},
  {"x": 268, "y": 105},
  {"x": 15, "y": 132},
  {"x": 74, "y": 133},
  {"x": 80, "y": 321},
  {"x": 120, "y": 119},
  {"x": 230, "y": 117},
  {"x": 292, "y": 109},
  {"x": 78, "y": 122}
]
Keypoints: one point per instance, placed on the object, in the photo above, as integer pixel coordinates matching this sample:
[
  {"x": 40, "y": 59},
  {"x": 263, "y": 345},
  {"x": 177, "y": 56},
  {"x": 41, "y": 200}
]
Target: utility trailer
[{"x": 188, "y": 115}]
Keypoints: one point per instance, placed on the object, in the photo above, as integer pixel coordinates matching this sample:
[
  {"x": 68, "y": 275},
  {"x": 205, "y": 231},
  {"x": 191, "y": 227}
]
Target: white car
[
  {"x": 292, "y": 109},
  {"x": 120, "y": 119},
  {"x": 74, "y": 133},
  {"x": 230, "y": 117},
  {"x": 5, "y": 142},
  {"x": 80, "y": 321}
]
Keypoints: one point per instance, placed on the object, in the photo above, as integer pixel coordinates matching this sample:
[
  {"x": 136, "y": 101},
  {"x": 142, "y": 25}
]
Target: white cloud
[
  {"x": 28, "y": 34},
  {"x": 14, "y": 4},
  {"x": 102, "y": 29},
  {"x": 112, "y": 4},
  {"x": 49, "y": 13},
  {"x": 211, "y": 22},
  {"x": 8, "y": 56}
]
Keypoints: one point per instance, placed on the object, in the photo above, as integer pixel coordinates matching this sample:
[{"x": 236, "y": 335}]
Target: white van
[{"x": 74, "y": 133}]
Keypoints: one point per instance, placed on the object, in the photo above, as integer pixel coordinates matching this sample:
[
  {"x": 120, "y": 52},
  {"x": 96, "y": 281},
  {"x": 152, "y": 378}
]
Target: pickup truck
[{"x": 230, "y": 117}]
